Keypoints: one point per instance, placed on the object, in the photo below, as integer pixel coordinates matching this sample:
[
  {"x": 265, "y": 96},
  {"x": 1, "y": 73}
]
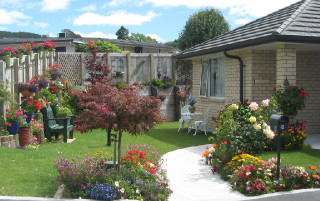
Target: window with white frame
[{"x": 212, "y": 78}]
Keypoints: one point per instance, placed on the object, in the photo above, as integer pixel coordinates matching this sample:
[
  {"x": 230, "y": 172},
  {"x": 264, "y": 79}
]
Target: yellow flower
[
  {"x": 107, "y": 153},
  {"x": 236, "y": 171},
  {"x": 252, "y": 119},
  {"x": 284, "y": 185},
  {"x": 261, "y": 117},
  {"x": 99, "y": 152}
]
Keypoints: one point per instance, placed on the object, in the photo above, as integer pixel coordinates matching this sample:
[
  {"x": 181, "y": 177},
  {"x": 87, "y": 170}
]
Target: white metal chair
[
  {"x": 185, "y": 118},
  {"x": 203, "y": 123}
]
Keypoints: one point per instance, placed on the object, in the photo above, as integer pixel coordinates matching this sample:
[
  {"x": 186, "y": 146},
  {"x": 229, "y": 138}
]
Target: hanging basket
[
  {"x": 26, "y": 93},
  {"x": 31, "y": 55}
]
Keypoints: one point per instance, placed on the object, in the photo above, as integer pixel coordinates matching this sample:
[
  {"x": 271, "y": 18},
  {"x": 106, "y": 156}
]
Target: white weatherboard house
[{"x": 248, "y": 62}]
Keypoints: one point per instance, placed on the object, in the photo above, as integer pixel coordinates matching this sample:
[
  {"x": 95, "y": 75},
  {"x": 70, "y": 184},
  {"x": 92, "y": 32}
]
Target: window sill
[{"x": 214, "y": 99}]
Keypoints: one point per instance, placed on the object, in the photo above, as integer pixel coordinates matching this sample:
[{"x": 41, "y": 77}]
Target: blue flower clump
[{"x": 102, "y": 192}]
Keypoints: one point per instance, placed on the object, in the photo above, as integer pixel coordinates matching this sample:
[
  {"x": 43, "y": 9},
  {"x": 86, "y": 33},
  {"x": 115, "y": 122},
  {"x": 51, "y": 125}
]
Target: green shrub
[
  {"x": 103, "y": 47},
  {"x": 50, "y": 97},
  {"x": 164, "y": 83},
  {"x": 64, "y": 112}
]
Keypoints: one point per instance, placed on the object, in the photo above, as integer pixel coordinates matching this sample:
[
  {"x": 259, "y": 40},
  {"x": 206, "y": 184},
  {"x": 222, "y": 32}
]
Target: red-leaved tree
[
  {"x": 97, "y": 68},
  {"x": 105, "y": 106}
]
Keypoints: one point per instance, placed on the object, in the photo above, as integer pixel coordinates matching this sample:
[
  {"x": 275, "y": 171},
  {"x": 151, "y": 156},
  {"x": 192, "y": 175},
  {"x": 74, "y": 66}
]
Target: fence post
[
  {"x": 3, "y": 84},
  {"x": 16, "y": 78},
  {"x": 27, "y": 67},
  {"x": 36, "y": 64},
  {"x": 51, "y": 58},
  {"x": 83, "y": 69},
  {"x": 128, "y": 68},
  {"x": 44, "y": 62},
  {"x": 151, "y": 66}
]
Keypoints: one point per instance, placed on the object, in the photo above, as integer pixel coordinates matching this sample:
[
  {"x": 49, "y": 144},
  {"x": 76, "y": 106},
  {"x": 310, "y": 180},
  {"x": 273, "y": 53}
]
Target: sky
[{"x": 160, "y": 19}]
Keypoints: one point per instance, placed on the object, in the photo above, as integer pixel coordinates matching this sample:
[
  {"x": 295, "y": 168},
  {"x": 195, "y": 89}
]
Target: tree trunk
[
  {"x": 109, "y": 137},
  {"x": 119, "y": 149}
]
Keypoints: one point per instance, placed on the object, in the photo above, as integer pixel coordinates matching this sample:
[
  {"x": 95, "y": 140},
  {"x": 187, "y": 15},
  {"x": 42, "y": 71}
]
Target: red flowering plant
[
  {"x": 162, "y": 96},
  {"x": 91, "y": 45},
  {"x": 14, "y": 114},
  {"x": 48, "y": 45},
  {"x": 8, "y": 51},
  {"x": 32, "y": 105},
  {"x": 290, "y": 99}
]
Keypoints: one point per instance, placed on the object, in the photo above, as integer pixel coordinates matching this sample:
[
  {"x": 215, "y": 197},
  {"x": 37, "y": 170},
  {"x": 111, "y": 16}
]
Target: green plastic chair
[{"x": 56, "y": 126}]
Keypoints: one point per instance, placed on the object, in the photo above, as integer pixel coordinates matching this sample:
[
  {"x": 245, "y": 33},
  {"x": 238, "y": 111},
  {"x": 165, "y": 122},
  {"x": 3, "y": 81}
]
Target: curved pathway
[{"x": 192, "y": 180}]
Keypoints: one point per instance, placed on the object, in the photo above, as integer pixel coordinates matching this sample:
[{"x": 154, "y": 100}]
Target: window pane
[
  {"x": 203, "y": 86},
  {"x": 216, "y": 86}
]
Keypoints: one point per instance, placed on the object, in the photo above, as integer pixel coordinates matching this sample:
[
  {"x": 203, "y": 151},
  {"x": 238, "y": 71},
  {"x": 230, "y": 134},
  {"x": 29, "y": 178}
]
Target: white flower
[
  {"x": 252, "y": 119},
  {"x": 254, "y": 106},
  {"x": 211, "y": 149},
  {"x": 116, "y": 184},
  {"x": 137, "y": 191},
  {"x": 122, "y": 190},
  {"x": 248, "y": 173},
  {"x": 257, "y": 126},
  {"x": 264, "y": 124},
  {"x": 265, "y": 103}
]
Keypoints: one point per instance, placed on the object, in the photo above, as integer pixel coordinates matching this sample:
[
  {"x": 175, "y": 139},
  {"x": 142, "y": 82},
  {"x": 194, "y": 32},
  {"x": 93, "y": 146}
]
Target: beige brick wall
[
  {"x": 286, "y": 63},
  {"x": 260, "y": 77},
  {"x": 308, "y": 77}
]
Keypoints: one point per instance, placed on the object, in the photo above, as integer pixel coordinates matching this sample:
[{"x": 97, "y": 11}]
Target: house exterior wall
[
  {"x": 260, "y": 77},
  {"x": 308, "y": 77}
]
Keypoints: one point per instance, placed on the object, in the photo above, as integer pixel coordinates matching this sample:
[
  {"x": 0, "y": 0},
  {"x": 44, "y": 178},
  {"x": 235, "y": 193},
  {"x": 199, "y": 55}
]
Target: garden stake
[
  {"x": 278, "y": 157},
  {"x": 115, "y": 150}
]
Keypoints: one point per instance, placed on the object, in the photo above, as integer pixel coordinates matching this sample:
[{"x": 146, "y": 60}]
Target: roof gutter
[{"x": 241, "y": 72}]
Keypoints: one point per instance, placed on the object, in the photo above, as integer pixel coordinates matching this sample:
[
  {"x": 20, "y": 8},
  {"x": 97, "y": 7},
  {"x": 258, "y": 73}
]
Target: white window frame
[{"x": 208, "y": 85}]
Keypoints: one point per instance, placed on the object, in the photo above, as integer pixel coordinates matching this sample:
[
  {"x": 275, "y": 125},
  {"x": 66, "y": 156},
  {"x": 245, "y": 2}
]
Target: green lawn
[
  {"x": 297, "y": 158},
  {"x": 31, "y": 172}
]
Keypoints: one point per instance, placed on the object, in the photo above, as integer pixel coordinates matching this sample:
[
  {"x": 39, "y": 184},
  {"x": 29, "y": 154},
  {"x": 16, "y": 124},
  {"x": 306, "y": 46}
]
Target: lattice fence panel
[
  {"x": 71, "y": 67},
  {"x": 183, "y": 72}
]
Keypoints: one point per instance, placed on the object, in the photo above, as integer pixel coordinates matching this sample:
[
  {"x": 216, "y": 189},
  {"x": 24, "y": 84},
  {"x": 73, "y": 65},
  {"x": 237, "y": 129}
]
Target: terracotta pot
[
  {"x": 192, "y": 109},
  {"x": 26, "y": 93},
  {"x": 24, "y": 136}
]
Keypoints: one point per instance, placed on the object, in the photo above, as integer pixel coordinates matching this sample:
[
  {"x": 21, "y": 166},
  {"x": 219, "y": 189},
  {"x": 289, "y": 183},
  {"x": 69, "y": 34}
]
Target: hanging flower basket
[
  {"x": 21, "y": 58},
  {"x": 30, "y": 53}
]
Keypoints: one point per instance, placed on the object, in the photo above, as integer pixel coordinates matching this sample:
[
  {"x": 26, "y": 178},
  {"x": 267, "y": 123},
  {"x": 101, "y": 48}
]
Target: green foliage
[
  {"x": 5, "y": 95},
  {"x": 164, "y": 83},
  {"x": 243, "y": 128},
  {"x": 122, "y": 33},
  {"x": 8, "y": 34},
  {"x": 290, "y": 99},
  {"x": 50, "y": 97},
  {"x": 202, "y": 26},
  {"x": 64, "y": 112},
  {"x": 142, "y": 38},
  {"x": 70, "y": 34},
  {"x": 70, "y": 100},
  {"x": 103, "y": 47}
]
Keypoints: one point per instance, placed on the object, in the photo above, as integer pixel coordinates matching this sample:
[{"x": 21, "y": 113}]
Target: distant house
[
  {"x": 69, "y": 44},
  {"x": 283, "y": 44}
]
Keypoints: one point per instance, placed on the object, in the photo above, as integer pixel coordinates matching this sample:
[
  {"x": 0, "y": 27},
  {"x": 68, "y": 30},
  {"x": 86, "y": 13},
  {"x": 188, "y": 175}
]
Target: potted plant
[
  {"x": 117, "y": 73},
  {"x": 92, "y": 47},
  {"x": 40, "y": 49},
  {"x": 49, "y": 47},
  {"x": 182, "y": 97},
  {"x": 36, "y": 128},
  {"x": 30, "y": 106},
  {"x": 290, "y": 99},
  {"x": 54, "y": 71},
  {"x": 6, "y": 53},
  {"x": 24, "y": 131},
  {"x": 162, "y": 96},
  {"x": 192, "y": 101},
  {"x": 27, "y": 88},
  {"x": 14, "y": 115}
]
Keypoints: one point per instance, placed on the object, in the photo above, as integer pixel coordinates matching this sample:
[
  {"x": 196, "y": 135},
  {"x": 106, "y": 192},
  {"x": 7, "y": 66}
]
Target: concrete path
[{"x": 192, "y": 180}]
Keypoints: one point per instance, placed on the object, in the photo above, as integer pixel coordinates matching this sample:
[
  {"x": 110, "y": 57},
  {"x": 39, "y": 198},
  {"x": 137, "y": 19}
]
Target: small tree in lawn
[{"x": 105, "y": 106}]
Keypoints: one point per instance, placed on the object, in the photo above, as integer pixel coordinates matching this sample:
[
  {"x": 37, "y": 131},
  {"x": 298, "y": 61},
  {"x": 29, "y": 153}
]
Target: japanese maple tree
[{"x": 105, "y": 106}]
